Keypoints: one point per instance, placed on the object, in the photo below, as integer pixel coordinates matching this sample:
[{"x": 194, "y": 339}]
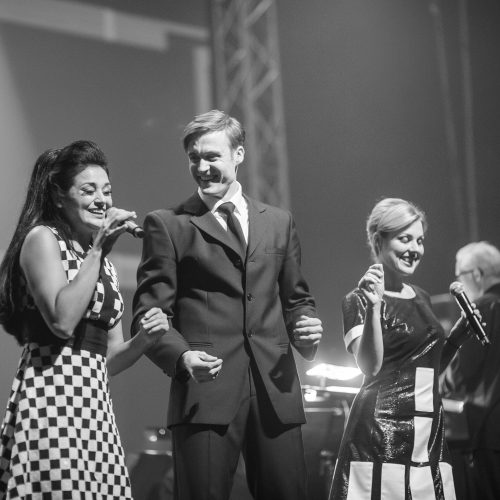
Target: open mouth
[
  {"x": 410, "y": 259},
  {"x": 97, "y": 213},
  {"x": 207, "y": 179}
]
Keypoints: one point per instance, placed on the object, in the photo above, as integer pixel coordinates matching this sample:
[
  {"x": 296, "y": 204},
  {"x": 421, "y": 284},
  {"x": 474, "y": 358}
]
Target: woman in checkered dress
[{"x": 59, "y": 297}]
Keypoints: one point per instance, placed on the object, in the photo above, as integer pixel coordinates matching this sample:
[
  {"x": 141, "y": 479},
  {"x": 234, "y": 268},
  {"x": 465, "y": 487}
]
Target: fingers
[
  {"x": 202, "y": 367},
  {"x": 307, "y": 321},
  {"x": 308, "y": 331},
  {"x": 154, "y": 324},
  {"x": 117, "y": 216},
  {"x": 307, "y": 340},
  {"x": 306, "y": 325},
  {"x": 375, "y": 272},
  {"x": 114, "y": 222},
  {"x": 208, "y": 372},
  {"x": 208, "y": 358},
  {"x": 372, "y": 283},
  {"x": 155, "y": 319}
]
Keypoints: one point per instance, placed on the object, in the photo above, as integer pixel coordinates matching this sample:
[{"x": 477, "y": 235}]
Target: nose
[
  {"x": 203, "y": 166},
  {"x": 99, "y": 200},
  {"x": 415, "y": 248}
]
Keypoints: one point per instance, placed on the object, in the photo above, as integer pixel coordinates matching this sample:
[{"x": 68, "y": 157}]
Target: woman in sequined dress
[
  {"x": 60, "y": 298},
  {"x": 393, "y": 446}
]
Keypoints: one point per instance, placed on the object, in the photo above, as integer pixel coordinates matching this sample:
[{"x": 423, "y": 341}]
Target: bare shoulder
[
  {"x": 40, "y": 235},
  {"x": 39, "y": 241}
]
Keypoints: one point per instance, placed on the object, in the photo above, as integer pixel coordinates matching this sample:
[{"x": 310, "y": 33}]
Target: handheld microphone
[
  {"x": 134, "y": 229},
  {"x": 457, "y": 290}
]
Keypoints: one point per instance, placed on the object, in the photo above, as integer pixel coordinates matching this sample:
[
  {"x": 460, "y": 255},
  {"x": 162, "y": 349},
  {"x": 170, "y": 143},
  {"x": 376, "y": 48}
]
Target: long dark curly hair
[{"x": 53, "y": 175}]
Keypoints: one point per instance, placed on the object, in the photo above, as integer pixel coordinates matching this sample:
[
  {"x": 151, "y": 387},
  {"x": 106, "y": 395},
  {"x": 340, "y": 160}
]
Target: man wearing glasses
[{"x": 474, "y": 377}]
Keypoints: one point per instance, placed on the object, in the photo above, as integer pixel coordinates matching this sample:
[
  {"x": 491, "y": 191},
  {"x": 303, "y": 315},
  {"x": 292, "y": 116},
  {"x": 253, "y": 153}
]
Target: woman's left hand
[
  {"x": 462, "y": 330},
  {"x": 154, "y": 324}
]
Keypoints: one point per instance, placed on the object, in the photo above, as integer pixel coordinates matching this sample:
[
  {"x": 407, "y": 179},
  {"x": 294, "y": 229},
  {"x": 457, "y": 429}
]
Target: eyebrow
[
  {"x": 205, "y": 153},
  {"x": 94, "y": 184}
]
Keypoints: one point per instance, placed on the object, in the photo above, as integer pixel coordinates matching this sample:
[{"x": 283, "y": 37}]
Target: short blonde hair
[
  {"x": 214, "y": 121},
  {"x": 390, "y": 215}
]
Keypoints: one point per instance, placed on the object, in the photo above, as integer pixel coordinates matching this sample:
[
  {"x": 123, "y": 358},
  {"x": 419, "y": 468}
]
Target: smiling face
[
  {"x": 213, "y": 163},
  {"x": 85, "y": 203},
  {"x": 402, "y": 251}
]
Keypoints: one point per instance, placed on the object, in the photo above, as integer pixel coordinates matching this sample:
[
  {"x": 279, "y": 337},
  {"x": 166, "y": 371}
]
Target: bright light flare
[{"x": 334, "y": 372}]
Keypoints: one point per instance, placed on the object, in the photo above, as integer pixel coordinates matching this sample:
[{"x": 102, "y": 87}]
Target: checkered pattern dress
[{"x": 59, "y": 438}]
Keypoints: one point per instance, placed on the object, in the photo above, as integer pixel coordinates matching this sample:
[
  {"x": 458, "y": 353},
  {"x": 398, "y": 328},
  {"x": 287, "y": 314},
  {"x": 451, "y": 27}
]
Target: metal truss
[{"x": 248, "y": 86}]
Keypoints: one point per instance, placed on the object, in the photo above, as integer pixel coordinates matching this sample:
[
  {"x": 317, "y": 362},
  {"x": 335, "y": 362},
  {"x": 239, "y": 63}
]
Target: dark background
[{"x": 365, "y": 118}]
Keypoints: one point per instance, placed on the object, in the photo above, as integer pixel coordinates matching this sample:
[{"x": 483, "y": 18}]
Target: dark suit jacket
[
  {"x": 229, "y": 305},
  {"x": 474, "y": 377}
]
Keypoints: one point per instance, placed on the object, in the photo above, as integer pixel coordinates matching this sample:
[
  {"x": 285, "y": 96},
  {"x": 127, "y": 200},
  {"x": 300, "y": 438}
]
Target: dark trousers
[
  {"x": 476, "y": 474},
  {"x": 206, "y": 456}
]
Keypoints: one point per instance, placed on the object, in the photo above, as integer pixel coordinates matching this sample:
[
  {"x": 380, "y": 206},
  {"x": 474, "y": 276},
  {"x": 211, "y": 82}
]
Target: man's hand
[
  {"x": 307, "y": 332},
  {"x": 202, "y": 367}
]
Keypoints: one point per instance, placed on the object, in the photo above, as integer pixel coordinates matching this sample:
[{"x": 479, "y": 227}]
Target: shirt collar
[{"x": 234, "y": 195}]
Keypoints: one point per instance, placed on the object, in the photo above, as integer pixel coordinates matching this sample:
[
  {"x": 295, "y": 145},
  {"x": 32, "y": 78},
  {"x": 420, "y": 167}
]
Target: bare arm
[
  {"x": 123, "y": 354},
  {"x": 63, "y": 304},
  {"x": 369, "y": 348}
]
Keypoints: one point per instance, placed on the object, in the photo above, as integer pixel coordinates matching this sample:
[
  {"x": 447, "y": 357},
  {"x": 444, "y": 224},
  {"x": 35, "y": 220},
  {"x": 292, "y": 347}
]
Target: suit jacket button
[
  {"x": 249, "y": 297},
  {"x": 250, "y": 333}
]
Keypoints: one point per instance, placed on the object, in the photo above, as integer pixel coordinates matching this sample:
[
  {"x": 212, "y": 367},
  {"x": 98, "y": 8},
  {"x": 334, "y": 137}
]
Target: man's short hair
[
  {"x": 214, "y": 121},
  {"x": 482, "y": 255}
]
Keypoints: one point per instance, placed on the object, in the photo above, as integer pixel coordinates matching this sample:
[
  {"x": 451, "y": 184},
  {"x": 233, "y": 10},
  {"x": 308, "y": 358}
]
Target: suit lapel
[
  {"x": 205, "y": 221},
  {"x": 257, "y": 224}
]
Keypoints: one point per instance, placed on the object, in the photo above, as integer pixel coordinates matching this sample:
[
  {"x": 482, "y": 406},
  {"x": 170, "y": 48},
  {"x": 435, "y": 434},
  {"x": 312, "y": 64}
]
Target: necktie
[{"x": 233, "y": 225}]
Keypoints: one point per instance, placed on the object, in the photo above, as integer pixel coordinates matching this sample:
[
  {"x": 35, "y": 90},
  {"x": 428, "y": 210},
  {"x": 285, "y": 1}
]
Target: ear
[
  {"x": 239, "y": 154},
  {"x": 377, "y": 243},
  {"x": 57, "y": 197},
  {"x": 477, "y": 274}
]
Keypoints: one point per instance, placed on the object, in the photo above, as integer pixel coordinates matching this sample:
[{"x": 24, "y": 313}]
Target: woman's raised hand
[
  {"x": 112, "y": 227},
  {"x": 372, "y": 284}
]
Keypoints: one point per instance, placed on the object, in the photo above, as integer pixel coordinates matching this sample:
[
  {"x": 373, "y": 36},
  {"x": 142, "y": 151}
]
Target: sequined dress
[
  {"x": 393, "y": 446},
  {"x": 59, "y": 438}
]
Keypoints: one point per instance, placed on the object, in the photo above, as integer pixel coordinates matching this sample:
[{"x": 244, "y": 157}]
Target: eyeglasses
[{"x": 462, "y": 273}]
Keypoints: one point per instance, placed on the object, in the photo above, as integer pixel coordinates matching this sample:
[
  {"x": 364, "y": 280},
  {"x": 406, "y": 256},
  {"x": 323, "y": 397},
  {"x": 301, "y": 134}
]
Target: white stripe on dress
[
  {"x": 360, "y": 481},
  {"x": 421, "y": 483},
  {"x": 447, "y": 478},
  {"x": 422, "y": 434},
  {"x": 393, "y": 482},
  {"x": 424, "y": 385}
]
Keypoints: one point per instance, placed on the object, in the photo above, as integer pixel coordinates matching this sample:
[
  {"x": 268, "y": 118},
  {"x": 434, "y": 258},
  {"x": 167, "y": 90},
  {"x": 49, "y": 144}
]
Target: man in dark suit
[
  {"x": 230, "y": 279},
  {"x": 474, "y": 377}
]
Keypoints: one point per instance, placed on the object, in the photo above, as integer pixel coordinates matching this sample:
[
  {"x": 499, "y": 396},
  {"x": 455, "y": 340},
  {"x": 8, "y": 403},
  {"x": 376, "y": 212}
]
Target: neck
[
  {"x": 392, "y": 281},
  {"x": 231, "y": 191},
  {"x": 82, "y": 240}
]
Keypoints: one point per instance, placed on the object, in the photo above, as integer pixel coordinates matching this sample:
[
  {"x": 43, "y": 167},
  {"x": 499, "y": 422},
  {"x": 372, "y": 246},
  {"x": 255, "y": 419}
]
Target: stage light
[{"x": 334, "y": 372}]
